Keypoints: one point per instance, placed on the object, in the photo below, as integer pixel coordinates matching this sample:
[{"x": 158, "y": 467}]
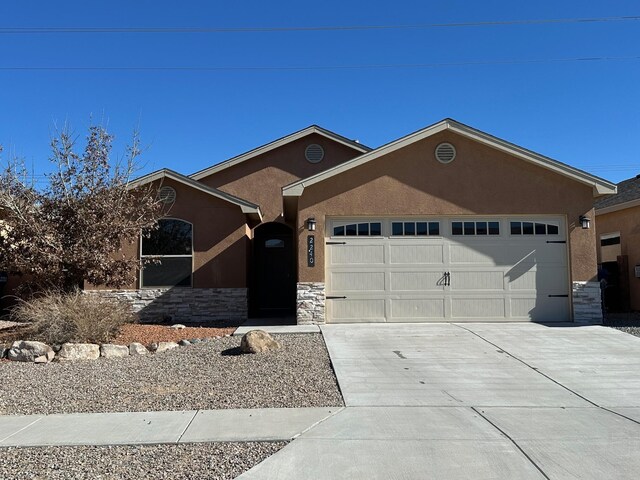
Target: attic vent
[
  {"x": 167, "y": 195},
  {"x": 445, "y": 153},
  {"x": 314, "y": 153}
]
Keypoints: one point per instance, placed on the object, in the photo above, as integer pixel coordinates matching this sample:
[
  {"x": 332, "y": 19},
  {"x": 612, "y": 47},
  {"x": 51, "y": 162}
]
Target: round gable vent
[
  {"x": 314, "y": 153},
  {"x": 167, "y": 195},
  {"x": 445, "y": 152}
]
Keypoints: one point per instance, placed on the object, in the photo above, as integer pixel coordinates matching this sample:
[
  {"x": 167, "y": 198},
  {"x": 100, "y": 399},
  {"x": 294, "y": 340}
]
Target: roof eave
[
  {"x": 278, "y": 143},
  {"x": 599, "y": 185},
  {"x": 618, "y": 206},
  {"x": 253, "y": 213},
  {"x": 246, "y": 207}
]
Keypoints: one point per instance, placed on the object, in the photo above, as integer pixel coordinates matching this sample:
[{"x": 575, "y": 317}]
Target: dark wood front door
[{"x": 274, "y": 277}]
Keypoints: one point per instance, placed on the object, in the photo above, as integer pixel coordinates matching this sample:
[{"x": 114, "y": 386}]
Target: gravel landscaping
[
  {"x": 189, "y": 461},
  {"x": 208, "y": 375},
  {"x": 626, "y": 322}
]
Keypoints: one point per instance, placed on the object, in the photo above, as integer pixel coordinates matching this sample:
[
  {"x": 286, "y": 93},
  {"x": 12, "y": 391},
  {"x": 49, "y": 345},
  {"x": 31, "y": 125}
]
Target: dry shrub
[{"x": 58, "y": 317}]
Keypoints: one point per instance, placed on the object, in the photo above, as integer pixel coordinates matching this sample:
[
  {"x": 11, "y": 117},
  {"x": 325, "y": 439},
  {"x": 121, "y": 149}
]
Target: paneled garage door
[{"x": 447, "y": 269}]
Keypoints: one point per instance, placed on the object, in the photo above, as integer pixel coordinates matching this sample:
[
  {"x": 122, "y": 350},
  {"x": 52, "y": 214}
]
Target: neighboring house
[
  {"x": 445, "y": 224},
  {"x": 618, "y": 230}
]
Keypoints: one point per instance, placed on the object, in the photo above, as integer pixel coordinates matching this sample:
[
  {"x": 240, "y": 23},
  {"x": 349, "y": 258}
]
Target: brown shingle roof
[{"x": 628, "y": 190}]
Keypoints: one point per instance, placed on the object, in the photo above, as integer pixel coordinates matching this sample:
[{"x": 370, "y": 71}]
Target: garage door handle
[
  {"x": 556, "y": 241},
  {"x": 564, "y": 296},
  {"x": 333, "y": 297},
  {"x": 336, "y": 243}
]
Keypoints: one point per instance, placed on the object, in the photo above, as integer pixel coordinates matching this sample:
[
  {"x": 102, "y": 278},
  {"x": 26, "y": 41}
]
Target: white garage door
[{"x": 447, "y": 269}]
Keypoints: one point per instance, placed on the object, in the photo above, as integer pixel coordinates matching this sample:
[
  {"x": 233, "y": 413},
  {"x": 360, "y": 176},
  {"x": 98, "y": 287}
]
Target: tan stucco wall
[
  {"x": 260, "y": 179},
  {"x": 220, "y": 237},
  {"x": 627, "y": 222},
  {"x": 480, "y": 181}
]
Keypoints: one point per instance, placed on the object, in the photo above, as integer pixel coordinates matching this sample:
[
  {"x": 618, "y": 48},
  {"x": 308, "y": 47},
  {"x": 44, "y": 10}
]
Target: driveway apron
[{"x": 499, "y": 401}]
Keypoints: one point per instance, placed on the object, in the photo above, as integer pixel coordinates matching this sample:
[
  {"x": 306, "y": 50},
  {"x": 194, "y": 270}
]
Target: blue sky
[{"x": 584, "y": 113}]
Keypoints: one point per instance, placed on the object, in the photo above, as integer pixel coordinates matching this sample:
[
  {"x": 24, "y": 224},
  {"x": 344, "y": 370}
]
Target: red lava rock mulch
[{"x": 147, "y": 334}]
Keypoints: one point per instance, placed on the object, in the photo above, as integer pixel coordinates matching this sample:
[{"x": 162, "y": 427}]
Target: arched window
[{"x": 169, "y": 254}]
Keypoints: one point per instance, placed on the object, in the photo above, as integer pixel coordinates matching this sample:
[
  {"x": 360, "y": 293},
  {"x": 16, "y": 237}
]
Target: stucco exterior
[
  {"x": 227, "y": 203},
  {"x": 481, "y": 181},
  {"x": 261, "y": 178},
  {"x": 627, "y": 222},
  {"x": 221, "y": 238}
]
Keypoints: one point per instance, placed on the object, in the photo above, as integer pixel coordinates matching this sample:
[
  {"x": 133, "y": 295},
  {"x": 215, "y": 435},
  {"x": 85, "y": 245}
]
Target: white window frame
[
  {"x": 475, "y": 221},
  {"x": 607, "y": 236},
  {"x": 415, "y": 221},
  {"x": 344, "y": 223},
  {"x": 555, "y": 223}
]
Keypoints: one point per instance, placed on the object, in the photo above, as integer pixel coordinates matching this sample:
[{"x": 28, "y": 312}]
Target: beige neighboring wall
[
  {"x": 480, "y": 181},
  {"x": 261, "y": 178},
  {"x": 627, "y": 222},
  {"x": 219, "y": 235}
]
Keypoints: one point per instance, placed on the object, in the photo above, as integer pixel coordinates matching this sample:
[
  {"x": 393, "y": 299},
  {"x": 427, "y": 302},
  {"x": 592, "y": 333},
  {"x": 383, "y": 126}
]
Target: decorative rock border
[{"x": 38, "y": 352}]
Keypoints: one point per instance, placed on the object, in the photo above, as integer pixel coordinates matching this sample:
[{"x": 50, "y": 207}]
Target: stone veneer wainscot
[
  {"x": 310, "y": 303},
  {"x": 587, "y": 302},
  {"x": 184, "y": 305}
]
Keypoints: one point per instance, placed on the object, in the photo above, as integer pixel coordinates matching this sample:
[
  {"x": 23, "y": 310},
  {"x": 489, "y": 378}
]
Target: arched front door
[{"x": 274, "y": 282}]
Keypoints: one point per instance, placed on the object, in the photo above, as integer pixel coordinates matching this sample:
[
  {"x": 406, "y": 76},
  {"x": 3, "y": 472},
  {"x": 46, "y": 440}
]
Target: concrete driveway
[{"x": 499, "y": 401}]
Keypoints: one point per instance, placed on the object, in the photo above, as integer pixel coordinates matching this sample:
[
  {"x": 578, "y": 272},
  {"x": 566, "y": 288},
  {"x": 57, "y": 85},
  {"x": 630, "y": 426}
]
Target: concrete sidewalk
[
  {"x": 481, "y": 401},
  {"x": 276, "y": 329},
  {"x": 266, "y": 424},
  {"x": 494, "y": 401}
]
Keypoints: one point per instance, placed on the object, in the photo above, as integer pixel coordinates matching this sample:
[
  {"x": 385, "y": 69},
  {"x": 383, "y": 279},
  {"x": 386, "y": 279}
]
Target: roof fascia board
[
  {"x": 245, "y": 206},
  {"x": 600, "y": 186},
  {"x": 618, "y": 207},
  {"x": 295, "y": 189},
  {"x": 278, "y": 143}
]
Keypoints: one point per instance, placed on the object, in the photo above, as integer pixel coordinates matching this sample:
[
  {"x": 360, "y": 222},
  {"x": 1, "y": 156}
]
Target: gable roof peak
[
  {"x": 600, "y": 186},
  {"x": 248, "y": 208},
  {"x": 278, "y": 143}
]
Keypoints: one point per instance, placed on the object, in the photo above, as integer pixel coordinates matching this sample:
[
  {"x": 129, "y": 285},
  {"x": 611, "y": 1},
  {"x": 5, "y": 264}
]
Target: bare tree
[{"x": 74, "y": 229}]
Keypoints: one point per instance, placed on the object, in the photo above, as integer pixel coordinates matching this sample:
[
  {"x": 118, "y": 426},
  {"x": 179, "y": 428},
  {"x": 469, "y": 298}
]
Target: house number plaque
[{"x": 311, "y": 251}]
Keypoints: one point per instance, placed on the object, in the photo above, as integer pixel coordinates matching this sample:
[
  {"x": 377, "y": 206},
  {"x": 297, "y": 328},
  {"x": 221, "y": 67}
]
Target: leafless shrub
[
  {"x": 59, "y": 317},
  {"x": 69, "y": 231}
]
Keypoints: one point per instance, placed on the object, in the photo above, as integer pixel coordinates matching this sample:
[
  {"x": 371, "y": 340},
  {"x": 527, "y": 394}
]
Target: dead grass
[{"x": 56, "y": 317}]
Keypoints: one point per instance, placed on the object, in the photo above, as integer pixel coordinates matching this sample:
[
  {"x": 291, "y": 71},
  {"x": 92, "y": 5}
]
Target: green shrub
[{"x": 58, "y": 317}]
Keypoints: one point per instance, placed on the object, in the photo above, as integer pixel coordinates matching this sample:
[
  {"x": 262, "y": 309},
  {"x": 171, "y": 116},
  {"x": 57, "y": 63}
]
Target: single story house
[
  {"x": 618, "y": 235},
  {"x": 444, "y": 224}
]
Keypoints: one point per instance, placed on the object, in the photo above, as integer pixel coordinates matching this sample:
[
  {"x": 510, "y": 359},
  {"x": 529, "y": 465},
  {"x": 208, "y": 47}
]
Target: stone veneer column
[
  {"x": 587, "y": 302},
  {"x": 310, "y": 303},
  {"x": 184, "y": 305}
]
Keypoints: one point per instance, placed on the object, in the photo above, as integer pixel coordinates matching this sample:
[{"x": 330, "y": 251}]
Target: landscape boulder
[
  {"x": 28, "y": 351},
  {"x": 73, "y": 352},
  {"x": 178, "y": 326},
  {"x": 164, "y": 346},
  {"x": 258, "y": 341},
  {"x": 108, "y": 350},
  {"x": 137, "y": 349},
  {"x": 45, "y": 358}
]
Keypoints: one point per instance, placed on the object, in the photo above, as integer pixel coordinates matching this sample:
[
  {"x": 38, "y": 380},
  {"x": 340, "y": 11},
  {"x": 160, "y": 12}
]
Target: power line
[
  {"x": 48, "y": 30},
  {"x": 317, "y": 67}
]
